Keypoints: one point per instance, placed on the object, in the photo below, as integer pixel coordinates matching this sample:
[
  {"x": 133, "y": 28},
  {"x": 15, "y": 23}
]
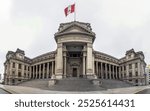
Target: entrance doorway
[{"x": 74, "y": 72}]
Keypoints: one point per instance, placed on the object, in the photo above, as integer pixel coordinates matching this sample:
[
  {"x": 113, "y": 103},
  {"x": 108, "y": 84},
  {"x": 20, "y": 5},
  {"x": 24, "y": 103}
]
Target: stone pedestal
[{"x": 59, "y": 76}]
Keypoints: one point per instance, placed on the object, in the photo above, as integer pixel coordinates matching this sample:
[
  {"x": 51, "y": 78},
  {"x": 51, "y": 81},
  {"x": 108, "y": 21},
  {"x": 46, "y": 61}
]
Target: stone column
[
  {"x": 94, "y": 66},
  {"x": 109, "y": 71},
  {"x": 97, "y": 69},
  {"x": 106, "y": 71},
  {"x": 89, "y": 68},
  {"x": 102, "y": 74},
  {"x": 52, "y": 67},
  {"x": 36, "y": 71},
  {"x": 33, "y": 72},
  {"x": 40, "y": 71},
  {"x": 83, "y": 65},
  {"x": 116, "y": 72},
  {"x": 113, "y": 71},
  {"x": 27, "y": 72},
  {"x": 123, "y": 75},
  {"x": 47, "y": 73},
  {"x": 30, "y": 72},
  {"x": 120, "y": 77},
  {"x": 50, "y": 70},
  {"x": 59, "y": 61},
  {"x": 43, "y": 71},
  {"x": 65, "y": 66}
]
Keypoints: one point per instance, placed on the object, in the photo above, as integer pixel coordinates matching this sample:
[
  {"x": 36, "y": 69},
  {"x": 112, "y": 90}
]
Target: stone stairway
[
  {"x": 36, "y": 83},
  {"x": 110, "y": 84},
  {"x": 75, "y": 84}
]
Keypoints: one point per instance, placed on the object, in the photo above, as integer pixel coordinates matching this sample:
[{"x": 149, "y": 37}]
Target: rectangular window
[
  {"x": 24, "y": 74},
  {"x": 124, "y": 67},
  {"x": 136, "y": 73},
  {"x": 130, "y": 74},
  {"x": 13, "y": 65},
  {"x": 19, "y": 74},
  {"x": 25, "y": 67},
  {"x": 19, "y": 66},
  {"x": 125, "y": 75},
  {"x": 13, "y": 72},
  {"x": 136, "y": 65},
  {"x": 130, "y": 66}
]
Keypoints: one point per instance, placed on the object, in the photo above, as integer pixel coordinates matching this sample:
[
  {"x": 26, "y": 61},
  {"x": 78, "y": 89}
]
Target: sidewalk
[{"x": 30, "y": 90}]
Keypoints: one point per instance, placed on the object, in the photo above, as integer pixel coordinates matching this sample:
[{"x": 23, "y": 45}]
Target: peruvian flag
[{"x": 69, "y": 9}]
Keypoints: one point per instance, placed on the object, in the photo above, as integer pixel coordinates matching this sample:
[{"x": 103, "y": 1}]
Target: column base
[{"x": 58, "y": 76}]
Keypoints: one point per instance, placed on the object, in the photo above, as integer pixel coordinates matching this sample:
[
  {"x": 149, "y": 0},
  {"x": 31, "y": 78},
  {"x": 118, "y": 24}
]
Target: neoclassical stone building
[{"x": 74, "y": 57}]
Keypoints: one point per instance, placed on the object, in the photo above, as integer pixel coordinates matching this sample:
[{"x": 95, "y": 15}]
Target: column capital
[{"x": 90, "y": 45}]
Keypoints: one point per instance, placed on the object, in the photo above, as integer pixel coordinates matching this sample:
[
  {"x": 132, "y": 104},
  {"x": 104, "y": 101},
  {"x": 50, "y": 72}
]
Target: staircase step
[{"x": 75, "y": 84}]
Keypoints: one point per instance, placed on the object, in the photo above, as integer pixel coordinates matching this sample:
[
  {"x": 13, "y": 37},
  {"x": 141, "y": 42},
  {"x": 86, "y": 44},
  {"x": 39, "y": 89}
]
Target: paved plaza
[{"x": 20, "y": 89}]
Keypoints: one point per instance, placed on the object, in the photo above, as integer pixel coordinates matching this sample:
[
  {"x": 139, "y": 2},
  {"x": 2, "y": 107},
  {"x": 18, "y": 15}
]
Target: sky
[{"x": 30, "y": 25}]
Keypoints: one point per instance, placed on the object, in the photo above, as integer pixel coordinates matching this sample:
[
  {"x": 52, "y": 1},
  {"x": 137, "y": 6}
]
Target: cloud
[{"x": 30, "y": 25}]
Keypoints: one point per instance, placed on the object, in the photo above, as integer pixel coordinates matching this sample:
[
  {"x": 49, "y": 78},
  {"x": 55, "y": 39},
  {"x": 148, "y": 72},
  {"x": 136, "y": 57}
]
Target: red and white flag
[{"x": 69, "y": 9}]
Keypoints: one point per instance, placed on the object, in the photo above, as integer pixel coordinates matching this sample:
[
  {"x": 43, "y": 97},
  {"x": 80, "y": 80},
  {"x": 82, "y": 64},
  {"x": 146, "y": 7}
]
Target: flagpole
[{"x": 75, "y": 12}]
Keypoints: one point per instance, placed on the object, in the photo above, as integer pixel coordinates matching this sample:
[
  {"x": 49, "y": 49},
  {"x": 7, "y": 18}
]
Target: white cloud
[
  {"x": 19, "y": 33},
  {"x": 5, "y": 8},
  {"x": 129, "y": 13}
]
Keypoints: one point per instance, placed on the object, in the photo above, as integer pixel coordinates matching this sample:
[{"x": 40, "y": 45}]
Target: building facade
[{"x": 74, "y": 57}]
